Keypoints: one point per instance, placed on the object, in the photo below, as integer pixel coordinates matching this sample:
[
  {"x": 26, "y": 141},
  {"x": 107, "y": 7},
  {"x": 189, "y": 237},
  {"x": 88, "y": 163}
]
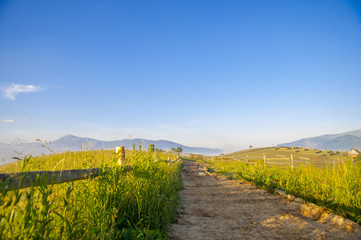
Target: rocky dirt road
[{"x": 218, "y": 208}]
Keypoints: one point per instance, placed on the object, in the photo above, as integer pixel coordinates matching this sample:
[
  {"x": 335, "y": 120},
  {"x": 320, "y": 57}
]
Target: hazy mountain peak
[
  {"x": 68, "y": 136},
  {"x": 342, "y": 141},
  {"x": 356, "y": 133}
]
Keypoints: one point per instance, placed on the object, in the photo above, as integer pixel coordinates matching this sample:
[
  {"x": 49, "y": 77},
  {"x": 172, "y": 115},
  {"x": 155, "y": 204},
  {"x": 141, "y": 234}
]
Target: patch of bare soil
[{"x": 218, "y": 208}]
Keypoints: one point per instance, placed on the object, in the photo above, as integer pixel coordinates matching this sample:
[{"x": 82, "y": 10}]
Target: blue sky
[{"x": 221, "y": 74}]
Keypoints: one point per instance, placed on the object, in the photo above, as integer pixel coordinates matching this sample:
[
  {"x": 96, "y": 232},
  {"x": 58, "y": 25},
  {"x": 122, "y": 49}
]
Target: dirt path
[{"x": 217, "y": 208}]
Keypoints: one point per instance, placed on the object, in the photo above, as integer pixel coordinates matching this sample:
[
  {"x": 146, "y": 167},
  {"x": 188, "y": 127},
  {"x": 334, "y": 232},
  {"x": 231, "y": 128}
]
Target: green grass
[
  {"x": 68, "y": 160},
  {"x": 119, "y": 204},
  {"x": 337, "y": 189}
]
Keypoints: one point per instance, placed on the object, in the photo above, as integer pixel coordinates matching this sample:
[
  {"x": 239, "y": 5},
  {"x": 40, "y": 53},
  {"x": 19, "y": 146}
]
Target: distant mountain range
[
  {"x": 73, "y": 143},
  {"x": 342, "y": 141}
]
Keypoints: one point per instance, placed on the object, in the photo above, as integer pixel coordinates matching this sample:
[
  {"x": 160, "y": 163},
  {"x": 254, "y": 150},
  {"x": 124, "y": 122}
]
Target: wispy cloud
[
  {"x": 15, "y": 89},
  {"x": 8, "y": 120}
]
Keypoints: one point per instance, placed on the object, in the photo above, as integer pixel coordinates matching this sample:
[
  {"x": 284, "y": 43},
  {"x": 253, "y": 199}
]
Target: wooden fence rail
[
  {"x": 172, "y": 161},
  {"x": 19, "y": 180},
  {"x": 36, "y": 178},
  {"x": 282, "y": 160}
]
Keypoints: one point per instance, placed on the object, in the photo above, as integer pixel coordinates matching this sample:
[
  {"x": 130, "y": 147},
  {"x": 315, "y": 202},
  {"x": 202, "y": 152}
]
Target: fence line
[
  {"x": 36, "y": 178},
  {"x": 172, "y": 161},
  {"x": 19, "y": 180},
  {"x": 290, "y": 161}
]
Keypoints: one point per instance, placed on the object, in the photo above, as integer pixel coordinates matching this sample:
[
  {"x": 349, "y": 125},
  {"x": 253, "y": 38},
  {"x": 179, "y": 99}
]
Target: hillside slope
[
  {"x": 343, "y": 141},
  {"x": 285, "y": 152}
]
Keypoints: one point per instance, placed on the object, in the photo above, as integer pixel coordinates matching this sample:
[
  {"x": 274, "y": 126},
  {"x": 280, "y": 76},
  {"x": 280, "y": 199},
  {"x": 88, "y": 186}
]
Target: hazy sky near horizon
[{"x": 223, "y": 74}]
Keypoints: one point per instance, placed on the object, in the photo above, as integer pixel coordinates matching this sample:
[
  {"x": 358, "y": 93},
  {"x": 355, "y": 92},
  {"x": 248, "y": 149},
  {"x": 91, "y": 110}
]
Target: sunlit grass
[
  {"x": 119, "y": 204},
  {"x": 337, "y": 188}
]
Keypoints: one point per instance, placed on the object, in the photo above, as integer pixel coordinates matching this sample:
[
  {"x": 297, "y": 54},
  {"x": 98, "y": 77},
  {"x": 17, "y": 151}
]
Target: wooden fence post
[
  {"x": 291, "y": 161},
  {"x": 246, "y": 158},
  {"x": 264, "y": 159},
  {"x": 156, "y": 156},
  {"x": 121, "y": 155},
  {"x": 221, "y": 157}
]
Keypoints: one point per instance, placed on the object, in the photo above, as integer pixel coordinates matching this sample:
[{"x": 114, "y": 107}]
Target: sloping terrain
[
  {"x": 343, "y": 141},
  {"x": 285, "y": 152}
]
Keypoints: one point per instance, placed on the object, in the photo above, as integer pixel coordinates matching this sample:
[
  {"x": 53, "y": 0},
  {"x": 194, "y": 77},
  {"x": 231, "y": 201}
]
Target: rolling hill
[
  {"x": 298, "y": 153},
  {"x": 343, "y": 141}
]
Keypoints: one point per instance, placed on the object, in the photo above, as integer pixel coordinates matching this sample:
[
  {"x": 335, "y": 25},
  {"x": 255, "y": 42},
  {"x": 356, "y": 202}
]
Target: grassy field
[
  {"x": 298, "y": 153},
  {"x": 336, "y": 188},
  {"x": 119, "y": 204},
  {"x": 67, "y": 160}
]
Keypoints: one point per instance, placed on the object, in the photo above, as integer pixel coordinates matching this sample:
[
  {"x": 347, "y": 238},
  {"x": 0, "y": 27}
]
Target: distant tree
[
  {"x": 250, "y": 146},
  {"x": 151, "y": 147},
  {"x": 179, "y": 150},
  {"x": 172, "y": 149}
]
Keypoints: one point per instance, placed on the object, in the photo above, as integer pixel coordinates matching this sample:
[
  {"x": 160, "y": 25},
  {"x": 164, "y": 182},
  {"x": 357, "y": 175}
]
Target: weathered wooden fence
[
  {"x": 28, "y": 179},
  {"x": 290, "y": 161},
  {"x": 20, "y": 180},
  {"x": 172, "y": 161}
]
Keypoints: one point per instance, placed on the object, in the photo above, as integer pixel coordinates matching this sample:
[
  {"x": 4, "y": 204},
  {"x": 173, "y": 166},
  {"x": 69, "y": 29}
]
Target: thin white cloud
[
  {"x": 8, "y": 120},
  {"x": 15, "y": 89}
]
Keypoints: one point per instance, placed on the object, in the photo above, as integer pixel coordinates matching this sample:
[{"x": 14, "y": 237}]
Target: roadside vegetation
[
  {"x": 122, "y": 203},
  {"x": 337, "y": 187}
]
